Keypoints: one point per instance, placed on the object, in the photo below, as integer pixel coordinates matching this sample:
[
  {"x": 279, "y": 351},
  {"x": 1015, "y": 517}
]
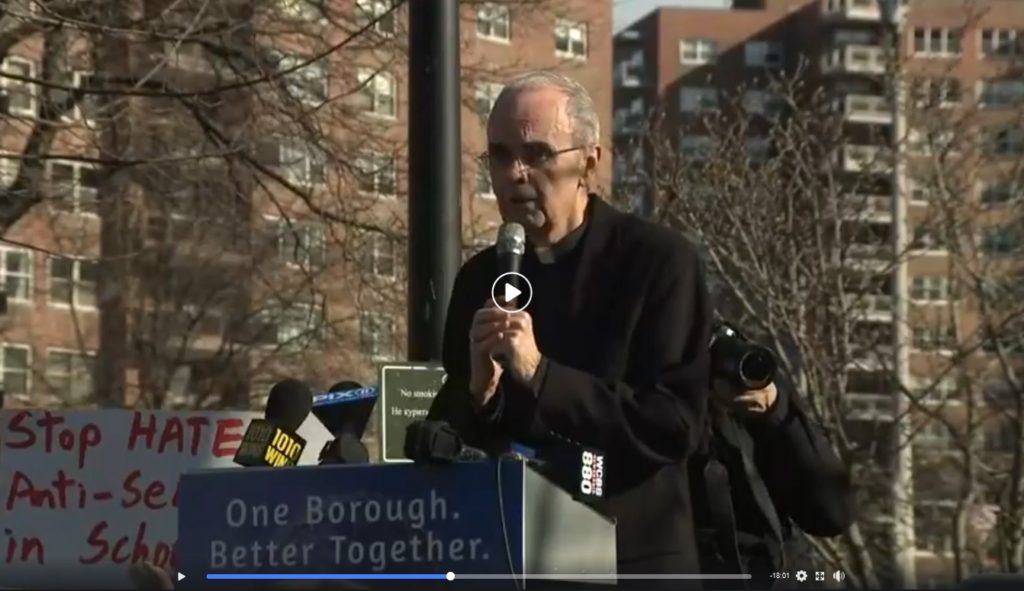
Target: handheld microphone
[
  {"x": 273, "y": 441},
  {"x": 345, "y": 410},
  {"x": 435, "y": 442},
  {"x": 510, "y": 248}
]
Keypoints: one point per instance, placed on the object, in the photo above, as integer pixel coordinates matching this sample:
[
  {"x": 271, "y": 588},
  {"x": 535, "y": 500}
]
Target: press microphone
[
  {"x": 436, "y": 442},
  {"x": 578, "y": 469},
  {"x": 273, "y": 440},
  {"x": 345, "y": 410}
]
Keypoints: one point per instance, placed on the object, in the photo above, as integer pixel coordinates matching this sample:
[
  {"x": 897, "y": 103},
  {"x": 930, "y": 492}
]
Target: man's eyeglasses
[{"x": 532, "y": 156}]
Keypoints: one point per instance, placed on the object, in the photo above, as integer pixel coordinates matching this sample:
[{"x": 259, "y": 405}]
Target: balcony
[
  {"x": 629, "y": 123},
  {"x": 629, "y": 75},
  {"x": 864, "y": 108},
  {"x": 869, "y": 407},
  {"x": 873, "y": 308},
  {"x": 873, "y": 358},
  {"x": 875, "y": 209},
  {"x": 863, "y": 158},
  {"x": 851, "y": 10},
  {"x": 854, "y": 59}
]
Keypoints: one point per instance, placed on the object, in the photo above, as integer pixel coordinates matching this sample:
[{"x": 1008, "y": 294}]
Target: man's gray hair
[{"x": 580, "y": 107}]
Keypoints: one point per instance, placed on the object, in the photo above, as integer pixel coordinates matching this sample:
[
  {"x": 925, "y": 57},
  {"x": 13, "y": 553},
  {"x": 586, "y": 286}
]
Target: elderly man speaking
[{"x": 611, "y": 351}]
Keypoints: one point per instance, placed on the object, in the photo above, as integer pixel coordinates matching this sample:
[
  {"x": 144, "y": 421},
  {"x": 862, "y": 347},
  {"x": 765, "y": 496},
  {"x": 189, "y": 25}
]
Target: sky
[{"x": 628, "y": 11}]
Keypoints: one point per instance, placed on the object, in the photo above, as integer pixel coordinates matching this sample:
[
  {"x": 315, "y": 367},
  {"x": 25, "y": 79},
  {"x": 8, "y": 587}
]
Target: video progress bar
[{"x": 470, "y": 577}]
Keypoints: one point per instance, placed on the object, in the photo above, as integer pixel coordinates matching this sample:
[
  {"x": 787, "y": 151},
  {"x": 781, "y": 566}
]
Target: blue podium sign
[{"x": 353, "y": 519}]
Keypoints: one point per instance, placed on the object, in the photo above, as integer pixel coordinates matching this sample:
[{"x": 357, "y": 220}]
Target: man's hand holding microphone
[{"x": 500, "y": 341}]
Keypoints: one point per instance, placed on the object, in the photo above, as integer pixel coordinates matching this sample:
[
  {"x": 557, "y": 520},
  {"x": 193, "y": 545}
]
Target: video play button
[{"x": 512, "y": 292}]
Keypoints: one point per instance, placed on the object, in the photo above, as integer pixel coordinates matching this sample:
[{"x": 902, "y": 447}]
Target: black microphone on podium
[
  {"x": 273, "y": 440},
  {"x": 345, "y": 410},
  {"x": 436, "y": 442}
]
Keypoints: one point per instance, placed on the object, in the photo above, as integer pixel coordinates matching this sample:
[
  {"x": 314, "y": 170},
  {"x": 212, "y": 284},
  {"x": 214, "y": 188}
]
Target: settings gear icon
[{"x": 801, "y": 575}]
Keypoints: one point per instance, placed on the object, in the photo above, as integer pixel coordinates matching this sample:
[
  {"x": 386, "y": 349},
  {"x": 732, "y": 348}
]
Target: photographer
[{"x": 762, "y": 468}]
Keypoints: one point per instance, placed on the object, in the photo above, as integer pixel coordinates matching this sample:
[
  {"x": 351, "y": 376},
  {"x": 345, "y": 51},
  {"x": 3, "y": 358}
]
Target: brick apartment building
[
  {"x": 961, "y": 56},
  {"x": 188, "y": 252}
]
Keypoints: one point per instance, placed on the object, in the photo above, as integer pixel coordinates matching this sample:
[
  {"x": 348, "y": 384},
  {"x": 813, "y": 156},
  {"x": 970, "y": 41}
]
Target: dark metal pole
[{"x": 435, "y": 167}]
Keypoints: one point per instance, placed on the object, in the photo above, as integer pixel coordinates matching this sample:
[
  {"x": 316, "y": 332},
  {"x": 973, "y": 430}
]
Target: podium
[{"x": 375, "y": 526}]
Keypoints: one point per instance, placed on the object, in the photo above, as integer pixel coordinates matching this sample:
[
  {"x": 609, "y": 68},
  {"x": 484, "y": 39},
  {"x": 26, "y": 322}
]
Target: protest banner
[
  {"x": 88, "y": 493},
  {"x": 406, "y": 393}
]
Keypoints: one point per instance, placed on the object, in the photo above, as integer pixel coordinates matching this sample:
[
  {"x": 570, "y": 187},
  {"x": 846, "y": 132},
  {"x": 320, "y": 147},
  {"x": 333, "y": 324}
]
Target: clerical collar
[{"x": 564, "y": 247}]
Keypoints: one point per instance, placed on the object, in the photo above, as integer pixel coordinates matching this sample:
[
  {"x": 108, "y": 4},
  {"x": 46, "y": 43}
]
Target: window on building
[
  {"x": 17, "y": 274},
  {"x": 307, "y": 82},
  {"x": 998, "y": 192},
  {"x": 926, "y": 338},
  {"x": 87, "y": 105},
  {"x": 1007, "y": 142},
  {"x": 376, "y": 174},
  {"x": 1000, "y": 240},
  {"x": 763, "y": 102},
  {"x": 929, "y": 289},
  {"x": 380, "y": 255},
  {"x": 769, "y": 54},
  {"x": 928, "y": 237},
  {"x": 379, "y": 10},
  {"x": 303, "y": 244},
  {"x": 69, "y": 375},
  {"x": 292, "y": 326},
  {"x": 759, "y": 149},
  {"x": 929, "y": 390},
  {"x": 493, "y": 22},
  {"x": 937, "y": 41},
  {"x": 1003, "y": 436},
  {"x": 73, "y": 282},
  {"x": 631, "y": 119},
  {"x": 377, "y": 92},
  {"x": 1001, "y": 94},
  {"x": 74, "y": 186},
  {"x": 302, "y": 163},
  {"x": 697, "y": 147},
  {"x": 630, "y": 71},
  {"x": 377, "y": 335},
  {"x": 17, "y": 368},
  {"x": 1002, "y": 43},
  {"x": 570, "y": 39},
  {"x": 931, "y": 141},
  {"x": 937, "y": 92},
  {"x": 21, "y": 95},
  {"x": 486, "y": 94},
  {"x": 301, "y": 325},
  {"x": 693, "y": 99},
  {"x": 698, "y": 51},
  {"x": 9, "y": 167},
  {"x": 933, "y": 434}
]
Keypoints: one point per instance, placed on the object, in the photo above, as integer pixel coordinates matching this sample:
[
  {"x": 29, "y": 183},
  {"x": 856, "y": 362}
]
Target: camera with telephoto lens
[{"x": 737, "y": 360}]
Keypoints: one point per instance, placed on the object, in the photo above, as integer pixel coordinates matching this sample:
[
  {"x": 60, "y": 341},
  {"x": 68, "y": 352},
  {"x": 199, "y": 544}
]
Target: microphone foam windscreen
[
  {"x": 289, "y": 404},
  {"x": 511, "y": 239}
]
